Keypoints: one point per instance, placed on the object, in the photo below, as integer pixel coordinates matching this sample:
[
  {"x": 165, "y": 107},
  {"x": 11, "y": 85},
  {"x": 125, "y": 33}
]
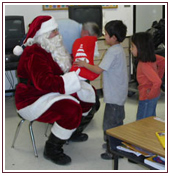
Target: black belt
[{"x": 25, "y": 81}]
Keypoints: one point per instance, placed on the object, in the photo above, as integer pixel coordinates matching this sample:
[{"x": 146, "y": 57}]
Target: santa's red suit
[{"x": 46, "y": 93}]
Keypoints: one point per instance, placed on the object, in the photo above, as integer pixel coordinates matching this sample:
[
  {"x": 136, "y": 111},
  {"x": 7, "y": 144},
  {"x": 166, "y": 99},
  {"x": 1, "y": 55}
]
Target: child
[
  {"x": 150, "y": 71},
  {"x": 115, "y": 78}
]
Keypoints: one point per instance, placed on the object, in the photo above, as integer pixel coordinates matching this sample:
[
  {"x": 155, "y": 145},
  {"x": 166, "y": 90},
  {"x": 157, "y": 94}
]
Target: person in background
[
  {"x": 84, "y": 35},
  {"x": 47, "y": 91},
  {"x": 150, "y": 70},
  {"x": 86, "y": 48},
  {"x": 115, "y": 79},
  {"x": 70, "y": 30}
]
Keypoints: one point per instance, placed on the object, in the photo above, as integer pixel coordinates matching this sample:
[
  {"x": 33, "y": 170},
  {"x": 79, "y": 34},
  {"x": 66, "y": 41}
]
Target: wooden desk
[{"x": 141, "y": 133}]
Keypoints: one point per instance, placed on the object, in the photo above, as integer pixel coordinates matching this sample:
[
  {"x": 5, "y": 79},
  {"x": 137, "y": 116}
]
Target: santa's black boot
[
  {"x": 54, "y": 152},
  {"x": 78, "y": 136}
]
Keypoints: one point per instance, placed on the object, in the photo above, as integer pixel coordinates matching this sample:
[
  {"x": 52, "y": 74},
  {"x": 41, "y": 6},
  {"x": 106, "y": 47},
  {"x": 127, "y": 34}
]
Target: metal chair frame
[{"x": 31, "y": 135}]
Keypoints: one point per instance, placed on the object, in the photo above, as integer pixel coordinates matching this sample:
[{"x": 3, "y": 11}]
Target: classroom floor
[{"x": 85, "y": 155}]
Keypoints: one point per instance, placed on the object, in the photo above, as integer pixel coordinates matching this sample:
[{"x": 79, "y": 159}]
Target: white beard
[{"x": 57, "y": 50}]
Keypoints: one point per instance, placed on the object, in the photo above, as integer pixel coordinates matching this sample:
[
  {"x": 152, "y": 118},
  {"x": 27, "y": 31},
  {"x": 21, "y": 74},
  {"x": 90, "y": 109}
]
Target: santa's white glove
[
  {"x": 86, "y": 93},
  {"x": 71, "y": 82},
  {"x": 78, "y": 72}
]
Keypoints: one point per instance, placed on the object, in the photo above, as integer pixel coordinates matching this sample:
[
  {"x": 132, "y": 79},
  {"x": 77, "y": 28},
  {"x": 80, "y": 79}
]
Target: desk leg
[{"x": 116, "y": 158}]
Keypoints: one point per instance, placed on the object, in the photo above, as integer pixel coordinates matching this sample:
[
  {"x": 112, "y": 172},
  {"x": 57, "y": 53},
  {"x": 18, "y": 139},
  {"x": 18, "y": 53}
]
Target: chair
[
  {"x": 47, "y": 129},
  {"x": 31, "y": 135}
]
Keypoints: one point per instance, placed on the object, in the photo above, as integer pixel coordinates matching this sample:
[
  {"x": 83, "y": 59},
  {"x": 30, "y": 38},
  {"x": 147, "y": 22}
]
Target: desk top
[{"x": 141, "y": 133}]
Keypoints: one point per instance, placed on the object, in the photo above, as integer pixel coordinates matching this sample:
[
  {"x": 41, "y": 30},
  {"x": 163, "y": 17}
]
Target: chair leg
[
  {"x": 47, "y": 130},
  {"x": 32, "y": 139},
  {"x": 17, "y": 132}
]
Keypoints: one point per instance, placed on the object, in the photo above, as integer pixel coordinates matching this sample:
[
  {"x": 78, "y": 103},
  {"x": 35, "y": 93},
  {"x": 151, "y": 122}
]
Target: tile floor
[{"x": 85, "y": 156}]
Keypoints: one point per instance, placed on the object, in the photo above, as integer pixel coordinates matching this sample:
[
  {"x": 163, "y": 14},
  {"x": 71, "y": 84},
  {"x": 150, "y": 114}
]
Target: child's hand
[{"x": 80, "y": 63}]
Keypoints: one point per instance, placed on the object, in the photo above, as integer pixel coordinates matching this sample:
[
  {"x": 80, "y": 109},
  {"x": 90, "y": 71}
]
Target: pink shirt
[{"x": 149, "y": 76}]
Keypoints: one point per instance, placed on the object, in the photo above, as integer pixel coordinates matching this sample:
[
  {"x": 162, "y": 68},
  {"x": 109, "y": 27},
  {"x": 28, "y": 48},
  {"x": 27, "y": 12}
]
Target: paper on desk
[
  {"x": 138, "y": 149},
  {"x": 151, "y": 162},
  {"x": 128, "y": 150},
  {"x": 159, "y": 119}
]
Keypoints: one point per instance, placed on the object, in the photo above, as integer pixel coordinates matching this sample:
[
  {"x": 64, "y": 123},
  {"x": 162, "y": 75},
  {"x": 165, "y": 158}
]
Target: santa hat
[{"x": 39, "y": 26}]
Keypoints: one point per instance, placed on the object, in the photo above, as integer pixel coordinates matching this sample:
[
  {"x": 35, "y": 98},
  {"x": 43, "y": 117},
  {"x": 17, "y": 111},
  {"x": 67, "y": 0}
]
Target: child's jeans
[
  {"x": 113, "y": 117},
  {"x": 147, "y": 108}
]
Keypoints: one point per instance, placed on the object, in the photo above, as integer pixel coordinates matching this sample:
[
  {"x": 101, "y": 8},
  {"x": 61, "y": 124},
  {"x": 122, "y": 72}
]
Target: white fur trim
[
  {"x": 78, "y": 72},
  {"x": 86, "y": 113},
  {"x": 36, "y": 109},
  {"x": 47, "y": 26},
  {"x": 71, "y": 82},
  {"x": 81, "y": 78},
  {"x": 86, "y": 93},
  {"x": 18, "y": 50},
  {"x": 61, "y": 132}
]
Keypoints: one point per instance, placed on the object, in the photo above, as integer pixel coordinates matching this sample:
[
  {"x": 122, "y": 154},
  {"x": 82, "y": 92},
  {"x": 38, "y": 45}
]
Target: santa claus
[{"x": 48, "y": 93}]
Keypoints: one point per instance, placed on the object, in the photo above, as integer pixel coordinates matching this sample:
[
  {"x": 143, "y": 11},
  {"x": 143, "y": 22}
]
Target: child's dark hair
[
  {"x": 117, "y": 28},
  {"x": 145, "y": 46}
]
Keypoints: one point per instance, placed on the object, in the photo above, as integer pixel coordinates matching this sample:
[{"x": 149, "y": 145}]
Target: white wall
[
  {"x": 31, "y": 11},
  {"x": 145, "y": 15}
]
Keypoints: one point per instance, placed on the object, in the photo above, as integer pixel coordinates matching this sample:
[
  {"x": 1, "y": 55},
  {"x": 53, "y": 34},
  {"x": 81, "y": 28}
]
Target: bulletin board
[{"x": 65, "y": 7}]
